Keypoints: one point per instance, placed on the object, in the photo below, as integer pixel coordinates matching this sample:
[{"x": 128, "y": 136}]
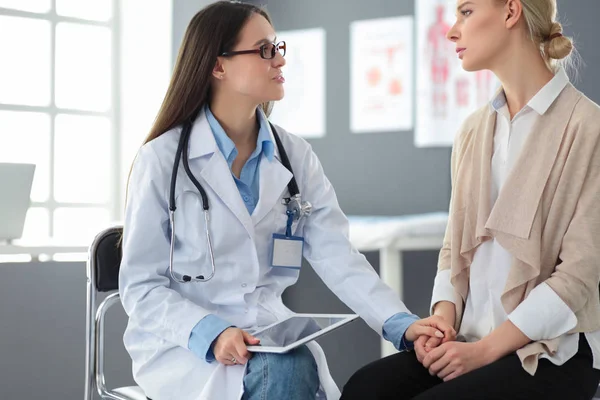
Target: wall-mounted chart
[
  {"x": 446, "y": 94},
  {"x": 381, "y": 74}
]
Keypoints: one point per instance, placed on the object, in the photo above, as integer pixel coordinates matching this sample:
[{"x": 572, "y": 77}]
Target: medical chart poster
[
  {"x": 381, "y": 74},
  {"x": 302, "y": 109},
  {"x": 446, "y": 94}
]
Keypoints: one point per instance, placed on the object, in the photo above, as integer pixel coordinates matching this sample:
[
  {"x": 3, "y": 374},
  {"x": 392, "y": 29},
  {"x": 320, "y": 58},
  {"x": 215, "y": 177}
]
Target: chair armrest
[{"x": 99, "y": 348}]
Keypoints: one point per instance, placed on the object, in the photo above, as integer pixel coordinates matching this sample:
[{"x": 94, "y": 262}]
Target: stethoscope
[{"x": 296, "y": 208}]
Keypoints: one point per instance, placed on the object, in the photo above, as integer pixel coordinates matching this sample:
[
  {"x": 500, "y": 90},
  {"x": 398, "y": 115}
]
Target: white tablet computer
[{"x": 297, "y": 329}]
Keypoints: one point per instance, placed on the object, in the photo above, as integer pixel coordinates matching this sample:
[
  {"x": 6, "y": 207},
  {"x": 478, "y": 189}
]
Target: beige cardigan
[{"x": 547, "y": 215}]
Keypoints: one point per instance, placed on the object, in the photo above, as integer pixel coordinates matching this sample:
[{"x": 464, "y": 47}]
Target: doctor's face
[
  {"x": 479, "y": 33},
  {"x": 257, "y": 77}
]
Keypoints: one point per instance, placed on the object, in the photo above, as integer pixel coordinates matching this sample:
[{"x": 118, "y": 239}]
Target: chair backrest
[
  {"x": 104, "y": 262},
  {"x": 106, "y": 253}
]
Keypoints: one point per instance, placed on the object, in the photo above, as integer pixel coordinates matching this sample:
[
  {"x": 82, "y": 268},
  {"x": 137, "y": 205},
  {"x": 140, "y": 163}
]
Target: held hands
[
  {"x": 425, "y": 343},
  {"x": 230, "y": 346},
  {"x": 453, "y": 359},
  {"x": 433, "y": 330},
  {"x": 432, "y": 327},
  {"x": 445, "y": 357}
]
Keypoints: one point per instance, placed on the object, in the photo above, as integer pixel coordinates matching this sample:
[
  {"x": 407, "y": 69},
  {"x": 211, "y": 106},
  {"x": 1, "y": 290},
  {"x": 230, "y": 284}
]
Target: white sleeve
[
  {"x": 329, "y": 251},
  {"x": 543, "y": 315},
  {"x": 442, "y": 289},
  {"x": 143, "y": 279}
]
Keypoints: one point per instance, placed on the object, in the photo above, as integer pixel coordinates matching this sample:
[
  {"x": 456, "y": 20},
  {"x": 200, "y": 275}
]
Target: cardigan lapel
[
  {"x": 476, "y": 196},
  {"x": 515, "y": 220},
  {"x": 471, "y": 198},
  {"x": 515, "y": 209}
]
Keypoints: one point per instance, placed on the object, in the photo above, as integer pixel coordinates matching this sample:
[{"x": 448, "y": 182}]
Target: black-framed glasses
[{"x": 266, "y": 51}]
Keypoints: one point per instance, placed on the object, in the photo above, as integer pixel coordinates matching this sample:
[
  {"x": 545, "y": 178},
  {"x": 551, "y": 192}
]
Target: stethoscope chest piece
[{"x": 297, "y": 207}]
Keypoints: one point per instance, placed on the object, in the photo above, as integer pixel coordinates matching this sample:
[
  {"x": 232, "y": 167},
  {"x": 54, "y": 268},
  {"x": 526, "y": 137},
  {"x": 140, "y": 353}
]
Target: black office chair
[{"x": 104, "y": 261}]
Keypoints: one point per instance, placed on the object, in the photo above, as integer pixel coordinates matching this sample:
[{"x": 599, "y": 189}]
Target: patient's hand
[
  {"x": 424, "y": 329},
  {"x": 451, "y": 360},
  {"x": 420, "y": 347},
  {"x": 424, "y": 344}
]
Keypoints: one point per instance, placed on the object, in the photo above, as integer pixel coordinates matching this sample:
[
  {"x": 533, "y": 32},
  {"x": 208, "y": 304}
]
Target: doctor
[{"x": 194, "y": 282}]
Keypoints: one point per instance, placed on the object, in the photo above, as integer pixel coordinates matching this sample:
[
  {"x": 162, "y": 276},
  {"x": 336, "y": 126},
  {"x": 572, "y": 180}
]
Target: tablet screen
[{"x": 293, "y": 329}]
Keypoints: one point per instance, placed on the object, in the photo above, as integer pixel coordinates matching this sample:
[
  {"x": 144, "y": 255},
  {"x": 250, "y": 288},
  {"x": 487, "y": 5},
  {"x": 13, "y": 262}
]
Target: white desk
[{"x": 390, "y": 236}]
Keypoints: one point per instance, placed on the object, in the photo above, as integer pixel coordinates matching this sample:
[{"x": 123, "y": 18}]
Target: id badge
[{"x": 287, "y": 251}]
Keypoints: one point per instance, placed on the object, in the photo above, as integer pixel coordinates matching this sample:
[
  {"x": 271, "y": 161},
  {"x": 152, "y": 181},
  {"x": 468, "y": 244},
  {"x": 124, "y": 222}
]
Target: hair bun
[{"x": 557, "y": 46}]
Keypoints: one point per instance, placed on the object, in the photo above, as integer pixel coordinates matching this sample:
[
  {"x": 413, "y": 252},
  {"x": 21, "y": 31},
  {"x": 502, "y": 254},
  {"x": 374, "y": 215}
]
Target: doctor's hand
[
  {"x": 434, "y": 326},
  {"x": 230, "y": 346}
]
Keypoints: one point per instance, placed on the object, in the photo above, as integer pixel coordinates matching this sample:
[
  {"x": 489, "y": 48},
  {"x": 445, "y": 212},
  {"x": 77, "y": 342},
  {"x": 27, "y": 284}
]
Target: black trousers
[{"x": 402, "y": 377}]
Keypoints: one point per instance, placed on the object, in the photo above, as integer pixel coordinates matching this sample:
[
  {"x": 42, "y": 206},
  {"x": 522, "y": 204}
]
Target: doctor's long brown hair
[{"x": 212, "y": 31}]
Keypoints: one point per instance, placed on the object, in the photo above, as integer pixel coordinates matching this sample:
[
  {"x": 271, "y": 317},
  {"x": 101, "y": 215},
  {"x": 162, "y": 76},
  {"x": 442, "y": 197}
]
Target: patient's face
[{"x": 480, "y": 33}]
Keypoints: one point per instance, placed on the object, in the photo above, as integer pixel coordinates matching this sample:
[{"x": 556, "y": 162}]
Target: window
[{"x": 59, "y": 109}]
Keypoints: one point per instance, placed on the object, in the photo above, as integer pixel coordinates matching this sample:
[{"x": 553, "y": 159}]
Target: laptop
[{"x": 15, "y": 192}]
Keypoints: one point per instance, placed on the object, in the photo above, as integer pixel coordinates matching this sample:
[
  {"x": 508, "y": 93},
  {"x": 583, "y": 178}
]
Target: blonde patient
[{"x": 518, "y": 272}]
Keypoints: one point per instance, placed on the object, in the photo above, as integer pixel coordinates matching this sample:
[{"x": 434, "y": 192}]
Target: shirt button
[
  {"x": 245, "y": 198},
  {"x": 244, "y": 285},
  {"x": 246, "y": 311}
]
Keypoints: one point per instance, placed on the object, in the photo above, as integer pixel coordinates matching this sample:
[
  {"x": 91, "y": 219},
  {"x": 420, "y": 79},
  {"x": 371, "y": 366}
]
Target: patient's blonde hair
[{"x": 544, "y": 30}]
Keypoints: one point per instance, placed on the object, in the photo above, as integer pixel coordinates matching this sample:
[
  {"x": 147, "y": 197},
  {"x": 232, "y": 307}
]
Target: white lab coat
[{"x": 245, "y": 291}]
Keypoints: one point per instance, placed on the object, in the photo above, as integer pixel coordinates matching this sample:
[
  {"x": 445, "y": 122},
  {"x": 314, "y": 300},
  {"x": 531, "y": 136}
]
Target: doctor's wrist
[{"x": 204, "y": 334}]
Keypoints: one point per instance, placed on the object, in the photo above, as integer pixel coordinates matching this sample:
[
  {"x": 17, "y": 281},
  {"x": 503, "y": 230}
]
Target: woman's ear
[
  {"x": 513, "y": 12},
  {"x": 219, "y": 69}
]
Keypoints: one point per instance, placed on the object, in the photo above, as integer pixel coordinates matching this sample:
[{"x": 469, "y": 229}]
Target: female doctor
[{"x": 194, "y": 281}]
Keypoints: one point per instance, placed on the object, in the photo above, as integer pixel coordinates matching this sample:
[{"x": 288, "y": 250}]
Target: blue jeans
[{"x": 290, "y": 376}]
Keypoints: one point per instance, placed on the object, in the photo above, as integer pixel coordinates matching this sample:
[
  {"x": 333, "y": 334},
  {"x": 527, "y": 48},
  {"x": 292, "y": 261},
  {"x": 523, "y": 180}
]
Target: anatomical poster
[
  {"x": 381, "y": 75},
  {"x": 446, "y": 94}
]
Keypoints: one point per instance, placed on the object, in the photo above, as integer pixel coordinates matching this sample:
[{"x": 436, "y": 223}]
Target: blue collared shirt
[{"x": 249, "y": 182}]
